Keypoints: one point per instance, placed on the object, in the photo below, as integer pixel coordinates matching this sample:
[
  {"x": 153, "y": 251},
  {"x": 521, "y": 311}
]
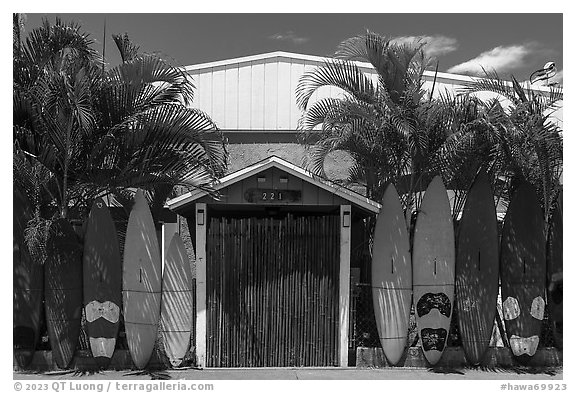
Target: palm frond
[
  {"x": 56, "y": 46},
  {"x": 171, "y": 83},
  {"x": 342, "y": 74},
  {"x": 491, "y": 83},
  {"x": 128, "y": 51},
  {"x": 182, "y": 143}
]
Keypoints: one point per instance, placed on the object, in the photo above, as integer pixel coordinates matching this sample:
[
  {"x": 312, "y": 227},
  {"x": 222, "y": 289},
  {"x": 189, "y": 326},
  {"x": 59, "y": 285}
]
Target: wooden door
[{"x": 272, "y": 291}]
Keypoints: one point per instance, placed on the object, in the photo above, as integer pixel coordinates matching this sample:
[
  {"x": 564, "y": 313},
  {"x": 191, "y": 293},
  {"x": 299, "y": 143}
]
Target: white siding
[
  {"x": 296, "y": 71},
  {"x": 260, "y": 93},
  {"x": 285, "y": 94},
  {"x": 219, "y": 96},
  {"x": 270, "y": 95},
  {"x": 204, "y": 91},
  {"x": 245, "y": 97},
  {"x": 231, "y": 98},
  {"x": 257, "y": 96},
  {"x": 195, "y": 82}
]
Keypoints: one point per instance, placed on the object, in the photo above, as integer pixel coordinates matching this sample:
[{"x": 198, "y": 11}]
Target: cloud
[
  {"x": 289, "y": 36},
  {"x": 436, "y": 45},
  {"x": 559, "y": 77},
  {"x": 501, "y": 59}
]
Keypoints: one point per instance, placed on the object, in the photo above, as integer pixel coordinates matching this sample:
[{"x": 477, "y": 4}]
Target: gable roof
[
  {"x": 441, "y": 77},
  {"x": 288, "y": 56},
  {"x": 259, "y": 92},
  {"x": 277, "y": 162}
]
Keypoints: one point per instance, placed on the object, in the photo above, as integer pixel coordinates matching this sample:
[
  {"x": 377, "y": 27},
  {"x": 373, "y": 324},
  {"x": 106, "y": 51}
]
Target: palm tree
[
  {"x": 391, "y": 127},
  {"x": 520, "y": 140},
  {"x": 95, "y": 132}
]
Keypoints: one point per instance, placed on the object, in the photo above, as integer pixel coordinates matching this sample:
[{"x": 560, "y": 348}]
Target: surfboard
[
  {"x": 392, "y": 276},
  {"x": 102, "y": 282},
  {"x": 477, "y": 269},
  {"x": 433, "y": 260},
  {"x": 523, "y": 272},
  {"x": 28, "y": 285},
  {"x": 141, "y": 282},
  {"x": 555, "y": 268},
  {"x": 177, "y": 302},
  {"x": 63, "y": 291}
]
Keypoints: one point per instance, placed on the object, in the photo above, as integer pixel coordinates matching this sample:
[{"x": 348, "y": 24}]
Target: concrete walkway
[{"x": 302, "y": 374}]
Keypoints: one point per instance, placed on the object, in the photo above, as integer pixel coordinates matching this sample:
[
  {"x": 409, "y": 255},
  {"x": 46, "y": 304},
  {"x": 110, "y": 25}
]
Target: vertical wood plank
[
  {"x": 260, "y": 294},
  {"x": 344, "y": 285},
  {"x": 201, "y": 287},
  {"x": 243, "y": 312},
  {"x": 233, "y": 294},
  {"x": 266, "y": 349},
  {"x": 220, "y": 298},
  {"x": 323, "y": 266},
  {"x": 273, "y": 294},
  {"x": 334, "y": 283},
  {"x": 291, "y": 292},
  {"x": 304, "y": 297},
  {"x": 282, "y": 281},
  {"x": 209, "y": 294},
  {"x": 318, "y": 291},
  {"x": 299, "y": 290}
]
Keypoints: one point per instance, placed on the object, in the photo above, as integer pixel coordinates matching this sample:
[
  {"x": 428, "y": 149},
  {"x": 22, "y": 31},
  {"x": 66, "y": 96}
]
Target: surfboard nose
[{"x": 433, "y": 356}]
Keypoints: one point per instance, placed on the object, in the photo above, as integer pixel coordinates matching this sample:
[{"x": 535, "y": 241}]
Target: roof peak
[
  {"x": 429, "y": 75},
  {"x": 278, "y": 162},
  {"x": 260, "y": 56}
]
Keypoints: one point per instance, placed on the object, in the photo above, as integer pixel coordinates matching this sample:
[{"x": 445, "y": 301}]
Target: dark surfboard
[
  {"x": 102, "y": 282},
  {"x": 523, "y": 271},
  {"x": 433, "y": 259},
  {"x": 63, "y": 291},
  {"x": 554, "y": 276},
  {"x": 141, "y": 282},
  {"x": 392, "y": 276},
  {"x": 477, "y": 269},
  {"x": 28, "y": 285}
]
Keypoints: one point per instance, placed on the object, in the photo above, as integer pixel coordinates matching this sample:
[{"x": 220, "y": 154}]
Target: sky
[{"x": 463, "y": 43}]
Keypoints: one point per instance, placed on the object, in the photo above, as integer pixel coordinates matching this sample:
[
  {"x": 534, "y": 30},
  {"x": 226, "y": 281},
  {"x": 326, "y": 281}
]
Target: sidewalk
[{"x": 303, "y": 374}]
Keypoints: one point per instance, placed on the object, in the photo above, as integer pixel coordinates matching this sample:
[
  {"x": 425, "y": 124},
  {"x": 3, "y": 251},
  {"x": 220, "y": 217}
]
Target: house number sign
[{"x": 266, "y": 195}]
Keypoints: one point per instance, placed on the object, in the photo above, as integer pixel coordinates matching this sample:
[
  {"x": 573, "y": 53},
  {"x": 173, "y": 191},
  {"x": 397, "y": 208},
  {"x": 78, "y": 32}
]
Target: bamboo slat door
[{"x": 272, "y": 292}]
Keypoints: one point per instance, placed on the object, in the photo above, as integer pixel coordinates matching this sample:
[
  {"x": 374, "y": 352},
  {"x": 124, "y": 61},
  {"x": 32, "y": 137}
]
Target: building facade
[{"x": 275, "y": 256}]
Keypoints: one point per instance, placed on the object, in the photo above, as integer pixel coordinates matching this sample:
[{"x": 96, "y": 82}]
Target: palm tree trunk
[{"x": 64, "y": 206}]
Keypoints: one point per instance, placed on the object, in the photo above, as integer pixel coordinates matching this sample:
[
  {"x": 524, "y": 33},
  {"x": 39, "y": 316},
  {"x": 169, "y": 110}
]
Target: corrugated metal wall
[
  {"x": 254, "y": 95},
  {"x": 259, "y": 94}
]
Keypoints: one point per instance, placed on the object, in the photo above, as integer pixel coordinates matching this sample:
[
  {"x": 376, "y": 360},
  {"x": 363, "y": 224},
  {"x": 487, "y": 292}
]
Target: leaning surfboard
[
  {"x": 433, "y": 259},
  {"x": 141, "y": 282},
  {"x": 523, "y": 271},
  {"x": 63, "y": 291},
  {"x": 102, "y": 282},
  {"x": 28, "y": 280},
  {"x": 555, "y": 268},
  {"x": 177, "y": 302},
  {"x": 392, "y": 276},
  {"x": 477, "y": 268}
]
